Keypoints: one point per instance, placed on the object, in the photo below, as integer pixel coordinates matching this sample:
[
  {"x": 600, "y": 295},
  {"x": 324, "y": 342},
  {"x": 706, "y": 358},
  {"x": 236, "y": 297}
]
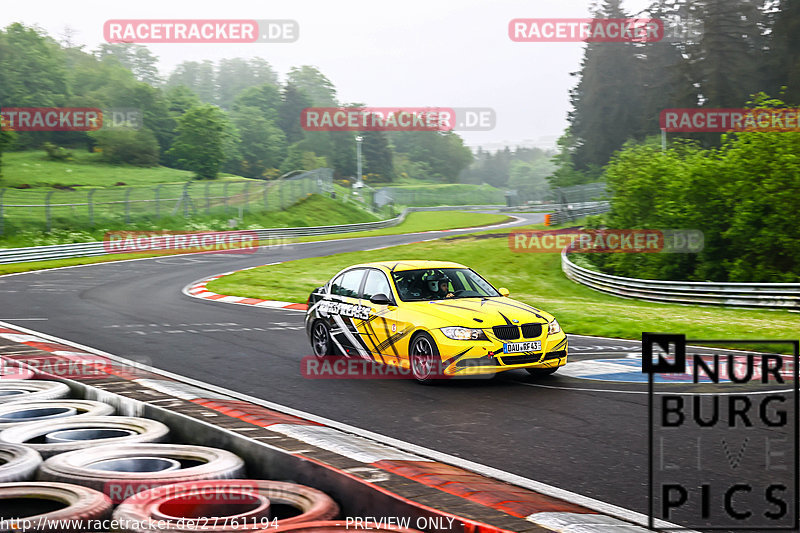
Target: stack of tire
[{"x": 64, "y": 459}]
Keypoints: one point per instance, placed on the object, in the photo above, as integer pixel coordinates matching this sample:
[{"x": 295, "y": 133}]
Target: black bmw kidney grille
[
  {"x": 506, "y": 333},
  {"x": 531, "y": 331}
]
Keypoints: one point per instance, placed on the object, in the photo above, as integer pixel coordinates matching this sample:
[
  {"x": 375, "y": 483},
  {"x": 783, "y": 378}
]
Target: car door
[
  {"x": 380, "y": 331},
  {"x": 344, "y": 312}
]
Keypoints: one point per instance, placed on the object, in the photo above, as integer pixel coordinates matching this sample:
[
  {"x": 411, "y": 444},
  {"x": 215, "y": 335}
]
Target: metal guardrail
[
  {"x": 784, "y": 296},
  {"x": 570, "y": 212},
  {"x": 92, "y": 249}
]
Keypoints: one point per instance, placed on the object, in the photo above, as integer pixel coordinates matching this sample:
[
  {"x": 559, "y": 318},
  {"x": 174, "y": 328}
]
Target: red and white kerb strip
[{"x": 198, "y": 289}]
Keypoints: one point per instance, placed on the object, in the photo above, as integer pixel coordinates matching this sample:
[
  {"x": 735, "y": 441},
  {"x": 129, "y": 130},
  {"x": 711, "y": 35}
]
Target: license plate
[{"x": 520, "y": 347}]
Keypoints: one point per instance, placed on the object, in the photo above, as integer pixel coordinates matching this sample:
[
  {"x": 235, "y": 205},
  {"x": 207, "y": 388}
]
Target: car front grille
[
  {"x": 506, "y": 333},
  {"x": 520, "y": 359},
  {"x": 531, "y": 331}
]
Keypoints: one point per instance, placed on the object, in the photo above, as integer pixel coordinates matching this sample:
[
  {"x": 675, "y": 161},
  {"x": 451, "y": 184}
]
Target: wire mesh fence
[
  {"x": 89, "y": 207},
  {"x": 451, "y": 194}
]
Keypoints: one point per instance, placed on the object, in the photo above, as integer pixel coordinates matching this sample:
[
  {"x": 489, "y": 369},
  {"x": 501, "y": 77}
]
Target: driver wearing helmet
[{"x": 438, "y": 286}]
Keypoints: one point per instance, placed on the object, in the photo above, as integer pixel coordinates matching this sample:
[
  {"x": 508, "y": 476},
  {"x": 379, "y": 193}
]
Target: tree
[
  {"x": 530, "y": 179},
  {"x": 377, "y": 155},
  {"x": 265, "y": 98},
  {"x": 318, "y": 88},
  {"x": 235, "y": 75},
  {"x": 293, "y": 101},
  {"x": 199, "y": 77},
  {"x": 32, "y": 67},
  {"x": 262, "y": 144},
  {"x": 784, "y": 69},
  {"x": 136, "y": 58},
  {"x": 299, "y": 159},
  {"x": 202, "y": 144}
]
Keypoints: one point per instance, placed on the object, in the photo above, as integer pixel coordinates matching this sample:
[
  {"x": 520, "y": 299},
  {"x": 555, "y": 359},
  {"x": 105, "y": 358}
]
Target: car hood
[{"x": 490, "y": 311}]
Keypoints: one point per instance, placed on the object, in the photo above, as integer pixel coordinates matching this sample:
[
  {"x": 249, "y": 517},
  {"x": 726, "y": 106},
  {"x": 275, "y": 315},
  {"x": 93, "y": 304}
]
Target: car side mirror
[
  {"x": 381, "y": 299},
  {"x": 503, "y": 291}
]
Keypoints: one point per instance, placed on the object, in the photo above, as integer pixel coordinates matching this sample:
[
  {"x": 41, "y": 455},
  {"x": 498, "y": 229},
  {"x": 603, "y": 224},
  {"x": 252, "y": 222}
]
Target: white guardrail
[
  {"x": 91, "y": 249},
  {"x": 784, "y": 296}
]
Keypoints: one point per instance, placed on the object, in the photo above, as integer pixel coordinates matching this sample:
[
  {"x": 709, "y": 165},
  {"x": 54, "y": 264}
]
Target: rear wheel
[
  {"x": 424, "y": 358},
  {"x": 321, "y": 339},
  {"x": 541, "y": 372}
]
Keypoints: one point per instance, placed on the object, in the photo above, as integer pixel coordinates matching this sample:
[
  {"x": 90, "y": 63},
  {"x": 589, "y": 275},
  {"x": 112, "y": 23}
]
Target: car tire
[
  {"x": 30, "y": 390},
  {"x": 310, "y": 505},
  {"x": 321, "y": 340},
  {"x": 78, "y": 467},
  {"x": 542, "y": 372},
  {"x": 26, "y": 412},
  {"x": 19, "y": 463},
  {"x": 423, "y": 357},
  {"x": 334, "y": 526},
  {"x": 144, "y": 430},
  {"x": 54, "y": 503}
]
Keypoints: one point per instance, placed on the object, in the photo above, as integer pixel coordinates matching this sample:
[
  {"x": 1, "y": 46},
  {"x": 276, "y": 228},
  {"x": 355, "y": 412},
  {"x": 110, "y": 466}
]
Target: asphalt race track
[{"x": 584, "y": 435}]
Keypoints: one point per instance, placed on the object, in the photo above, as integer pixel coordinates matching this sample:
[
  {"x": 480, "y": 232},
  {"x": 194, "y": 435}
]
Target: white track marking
[{"x": 514, "y": 479}]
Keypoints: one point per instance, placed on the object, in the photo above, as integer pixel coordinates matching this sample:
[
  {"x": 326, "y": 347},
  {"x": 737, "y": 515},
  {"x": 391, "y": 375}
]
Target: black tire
[
  {"x": 19, "y": 463},
  {"x": 143, "y": 430},
  {"x": 197, "y": 463},
  {"x": 423, "y": 356},
  {"x": 542, "y": 372},
  {"x": 12, "y": 414},
  {"x": 29, "y": 390},
  {"x": 321, "y": 340},
  {"x": 52, "y": 503}
]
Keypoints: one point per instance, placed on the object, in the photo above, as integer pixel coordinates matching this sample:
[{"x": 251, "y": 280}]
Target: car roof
[{"x": 414, "y": 264}]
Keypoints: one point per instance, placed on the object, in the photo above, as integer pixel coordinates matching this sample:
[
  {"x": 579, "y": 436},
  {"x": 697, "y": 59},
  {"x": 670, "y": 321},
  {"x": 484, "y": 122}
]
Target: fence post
[
  {"x": 186, "y": 199},
  {"x": 128, "y": 205},
  {"x": 158, "y": 200},
  {"x": 2, "y": 192},
  {"x": 208, "y": 198},
  {"x": 91, "y": 206},
  {"x": 266, "y": 188},
  {"x": 280, "y": 194},
  {"x": 225, "y": 197},
  {"x": 246, "y": 195},
  {"x": 47, "y": 209}
]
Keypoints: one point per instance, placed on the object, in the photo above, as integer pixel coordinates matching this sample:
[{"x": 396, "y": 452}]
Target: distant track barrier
[
  {"x": 784, "y": 296},
  {"x": 265, "y": 236}
]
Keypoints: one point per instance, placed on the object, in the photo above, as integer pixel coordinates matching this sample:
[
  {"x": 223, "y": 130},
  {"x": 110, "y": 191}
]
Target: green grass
[
  {"x": 85, "y": 170},
  {"x": 313, "y": 210},
  {"x": 423, "y": 221},
  {"x": 532, "y": 278}
]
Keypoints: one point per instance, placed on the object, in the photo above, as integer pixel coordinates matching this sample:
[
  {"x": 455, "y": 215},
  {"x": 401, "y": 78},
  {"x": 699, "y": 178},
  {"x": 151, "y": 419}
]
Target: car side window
[
  {"x": 348, "y": 283},
  {"x": 376, "y": 284}
]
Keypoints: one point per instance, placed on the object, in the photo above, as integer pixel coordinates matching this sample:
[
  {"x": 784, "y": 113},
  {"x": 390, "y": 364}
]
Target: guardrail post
[
  {"x": 2, "y": 208},
  {"x": 90, "y": 203},
  {"x": 47, "y": 209},
  {"x": 128, "y": 205}
]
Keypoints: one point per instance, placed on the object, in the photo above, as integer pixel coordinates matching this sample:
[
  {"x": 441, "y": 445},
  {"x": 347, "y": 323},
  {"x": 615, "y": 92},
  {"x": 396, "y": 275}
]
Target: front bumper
[{"x": 486, "y": 357}]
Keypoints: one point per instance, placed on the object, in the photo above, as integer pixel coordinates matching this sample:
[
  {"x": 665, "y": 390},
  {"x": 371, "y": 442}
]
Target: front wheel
[
  {"x": 424, "y": 358},
  {"x": 321, "y": 339},
  {"x": 542, "y": 372}
]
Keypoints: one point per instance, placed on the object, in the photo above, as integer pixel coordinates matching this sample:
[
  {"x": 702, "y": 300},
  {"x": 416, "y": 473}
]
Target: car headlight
[
  {"x": 553, "y": 327},
  {"x": 464, "y": 334}
]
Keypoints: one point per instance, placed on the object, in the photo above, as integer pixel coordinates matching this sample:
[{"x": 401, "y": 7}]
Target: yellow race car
[{"x": 435, "y": 319}]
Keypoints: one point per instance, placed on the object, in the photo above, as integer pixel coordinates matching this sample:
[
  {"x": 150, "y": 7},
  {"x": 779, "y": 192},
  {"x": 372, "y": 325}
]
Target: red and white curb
[{"x": 199, "y": 289}]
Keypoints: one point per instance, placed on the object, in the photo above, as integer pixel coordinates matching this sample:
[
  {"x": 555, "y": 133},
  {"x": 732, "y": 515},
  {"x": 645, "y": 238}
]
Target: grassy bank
[{"x": 532, "y": 278}]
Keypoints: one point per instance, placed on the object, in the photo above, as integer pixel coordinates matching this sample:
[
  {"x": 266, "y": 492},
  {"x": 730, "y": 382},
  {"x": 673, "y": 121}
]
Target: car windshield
[{"x": 440, "y": 284}]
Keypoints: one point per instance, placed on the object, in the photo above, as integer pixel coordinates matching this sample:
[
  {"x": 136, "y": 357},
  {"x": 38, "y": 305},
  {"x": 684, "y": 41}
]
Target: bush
[
  {"x": 127, "y": 145},
  {"x": 57, "y": 153}
]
